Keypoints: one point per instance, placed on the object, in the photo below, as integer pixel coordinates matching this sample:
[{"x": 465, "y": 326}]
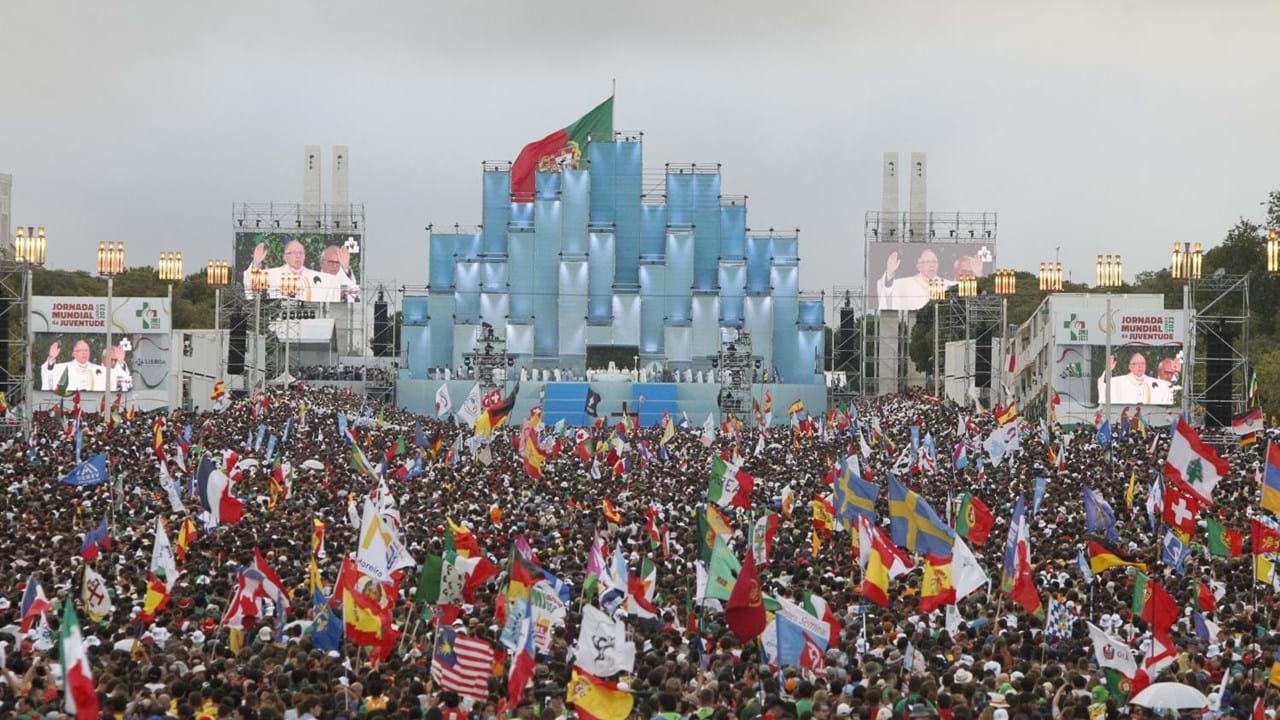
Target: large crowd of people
[{"x": 644, "y": 494}]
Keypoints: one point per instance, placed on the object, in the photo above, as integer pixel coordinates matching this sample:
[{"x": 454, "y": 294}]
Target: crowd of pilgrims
[{"x": 987, "y": 658}]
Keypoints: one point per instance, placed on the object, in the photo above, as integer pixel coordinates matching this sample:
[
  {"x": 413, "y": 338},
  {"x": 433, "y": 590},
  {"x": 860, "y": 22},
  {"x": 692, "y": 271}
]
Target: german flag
[
  {"x": 493, "y": 418},
  {"x": 1104, "y": 557}
]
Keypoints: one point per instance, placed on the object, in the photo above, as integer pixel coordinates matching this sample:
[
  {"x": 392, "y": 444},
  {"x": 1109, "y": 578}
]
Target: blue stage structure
[{"x": 612, "y": 263}]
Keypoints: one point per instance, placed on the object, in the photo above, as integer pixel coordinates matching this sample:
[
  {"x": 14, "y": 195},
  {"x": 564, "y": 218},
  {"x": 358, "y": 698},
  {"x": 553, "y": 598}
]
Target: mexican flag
[
  {"x": 79, "y": 697},
  {"x": 452, "y": 580},
  {"x": 712, "y": 525},
  {"x": 565, "y": 148},
  {"x": 730, "y": 486}
]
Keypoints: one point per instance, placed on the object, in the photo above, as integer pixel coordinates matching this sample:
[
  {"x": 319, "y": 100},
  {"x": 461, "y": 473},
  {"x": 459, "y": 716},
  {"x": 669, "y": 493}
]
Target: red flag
[
  {"x": 1180, "y": 509},
  {"x": 1266, "y": 539},
  {"x": 1205, "y": 599},
  {"x": 744, "y": 612}
]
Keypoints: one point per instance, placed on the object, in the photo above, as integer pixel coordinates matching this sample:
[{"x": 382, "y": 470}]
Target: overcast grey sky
[{"x": 1094, "y": 126}]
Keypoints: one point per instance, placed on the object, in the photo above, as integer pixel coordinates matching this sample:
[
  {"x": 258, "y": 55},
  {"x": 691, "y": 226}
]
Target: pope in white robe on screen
[{"x": 81, "y": 374}]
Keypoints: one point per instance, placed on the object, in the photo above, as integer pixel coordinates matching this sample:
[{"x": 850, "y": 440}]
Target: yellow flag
[
  {"x": 1263, "y": 569},
  {"x": 1133, "y": 488}
]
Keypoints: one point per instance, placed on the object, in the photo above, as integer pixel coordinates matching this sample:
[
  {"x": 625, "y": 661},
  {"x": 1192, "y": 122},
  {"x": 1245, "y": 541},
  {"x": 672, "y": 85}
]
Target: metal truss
[{"x": 1218, "y": 336}]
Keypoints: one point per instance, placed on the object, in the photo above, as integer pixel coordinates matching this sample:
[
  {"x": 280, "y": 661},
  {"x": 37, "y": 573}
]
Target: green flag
[{"x": 722, "y": 571}]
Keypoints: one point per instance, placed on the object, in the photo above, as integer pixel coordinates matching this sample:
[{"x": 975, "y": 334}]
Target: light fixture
[
  {"x": 1109, "y": 271},
  {"x": 258, "y": 280},
  {"x": 217, "y": 273},
  {"x": 110, "y": 258},
  {"x": 289, "y": 285},
  {"x": 967, "y": 286},
  {"x": 1273, "y": 250},
  {"x": 170, "y": 268},
  {"x": 29, "y": 246},
  {"x": 1050, "y": 277},
  {"x": 937, "y": 289},
  {"x": 1006, "y": 282}
]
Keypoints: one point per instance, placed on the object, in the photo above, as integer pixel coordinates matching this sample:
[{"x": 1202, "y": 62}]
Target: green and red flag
[
  {"x": 563, "y": 148},
  {"x": 1154, "y": 604},
  {"x": 1223, "y": 541},
  {"x": 974, "y": 520}
]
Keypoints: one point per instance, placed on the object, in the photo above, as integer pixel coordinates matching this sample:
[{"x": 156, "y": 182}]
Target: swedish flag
[
  {"x": 914, "y": 525},
  {"x": 854, "y": 496}
]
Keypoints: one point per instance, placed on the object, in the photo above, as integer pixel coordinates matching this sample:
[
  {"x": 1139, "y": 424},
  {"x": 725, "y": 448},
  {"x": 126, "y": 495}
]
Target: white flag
[
  {"x": 471, "y": 408},
  {"x": 97, "y": 601},
  {"x": 1111, "y": 652},
  {"x": 708, "y": 431},
  {"x": 171, "y": 489},
  {"x": 163, "y": 563},
  {"x": 967, "y": 574},
  {"x": 373, "y": 550},
  {"x": 443, "y": 402},
  {"x": 603, "y": 648}
]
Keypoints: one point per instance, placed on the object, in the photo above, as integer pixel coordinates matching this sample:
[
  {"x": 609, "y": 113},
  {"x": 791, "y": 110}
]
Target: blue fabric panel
[
  {"x": 757, "y": 317},
  {"x": 547, "y": 186},
  {"x": 417, "y": 344},
  {"x": 733, "y": 232},
  {"x": 758, "y": 265},
  {"x": 522, "y": 215},
  {"x": 653, "y": 399},
  {"x": 575, "y": 197},
  {"x": 786, "y": 249},
  {"x": 653, "y": 283},
  {"x": 467, "y": 247},
  {"x": 733, "y": 286},
  {"x": 493, "y": 308},
  {"x": 600, "y": 279},
  {"x": 467, "y": 293},
  {"x": 493, "y": 275},
  {"x": 706, "y": 326},
  {"x": 415, "y": 310},
  {"x": 653, "y": 230},
  {"x": 680, "y": 198},
  {"x": 680, "y": 255},
  {"x": 786, "y": 336},
  {"x": 496, "y": 212},
  {"x": 440, "y": 275},
  {"x": 808, "y": 356},
  {"x": 810, "y": 315},
  {"x": 706, "y": 221},
  {"x": 546, "y": 277},
  {"x": 440, "y": 344},
  {"x": 627, "y": 234},
  {"x": 520, "y": 277},
  {"x": 565, "y": 401},
  {"x": 603, "y": 157},
  {"x": 573, "y": 308}
]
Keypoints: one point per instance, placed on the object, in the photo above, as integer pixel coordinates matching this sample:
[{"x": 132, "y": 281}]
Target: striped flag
[{"x": 462, "y": 664}]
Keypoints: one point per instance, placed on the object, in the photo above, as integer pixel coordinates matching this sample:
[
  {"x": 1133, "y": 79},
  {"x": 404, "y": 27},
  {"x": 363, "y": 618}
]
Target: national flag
[
  {"x": 914, "y": 525},
  {"x": 730, "y": 485},
  {"x": 272, "y": 588},
  {"x": 214, "y": 490},
  {"x": 1192, "y": 464},
  {"x": 610, "y": 512},
  {"x": 1037, "y": 494},
  {"x": 1180, "y": 509},
  {"x": 563, "y": 149},
  {"x": 452, "y": 580},
  {"x": 1222, "y": 540},
  {"x": 34, "y": 603},
  {"x": 974, "y": 519},
  {"x": 744, "y": 613},
  {"x": 795, "y": 408},
  {"x": 722, "y": 571},
  {"x": 1082, "y": 564},
  {"x": 967, "y": 574},
  {"x": 1273, "y": 677},
  {"x": 1153, "y": 603},
  {"x": 187, "y": 534},
  {"x": 367, "y": 623},
  {"x": 1098, "y": 515},
  {"x": 853, "y": 495},
  {"x": 1006, "y": 415},
  {"x": 1205, "y": 599},
  {"x": 596, "y": 698},
  {"x": 878, "y": 559},
  {"x": 1103, "y": 557},
  {"x": 1173, "y": 552},
  {"x": 495, "y": 415},
  {"x": 820, "y": 609},
  {"x": 1103, "y": 437},
  {"x": 317, "y": 537},
  {"x": 1058, "y": 621},
  {"x": 936, "y": 588},
  {"x": 1206, "y": 629},
  {"x": 1024, "y": 591},
  {"x": 79, "y": 698},
  {"x": 1266, "y": 539},
  {"x": 1248, "y": 422},
  {"x": 95, "y": 596},
  {"x": 712, "y": 525},
  {"x": 1251, "y": 394},
  {"x": 787, "y": 502},
  {"x": 443, "y": 402},
  {"x": 824, "y": 516},
  {"x": 156, "y": 599},
  {"x": 96, "y": 539},
  {"x": 762, "y": 534},
  {"x": 1271, "y": 480},
  {"x": 1130, "y": 492}
]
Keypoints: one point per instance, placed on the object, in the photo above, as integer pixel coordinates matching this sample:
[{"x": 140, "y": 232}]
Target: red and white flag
[
  {"x": 78, "y": 696},
  {"x": 1193, "y": 465}
]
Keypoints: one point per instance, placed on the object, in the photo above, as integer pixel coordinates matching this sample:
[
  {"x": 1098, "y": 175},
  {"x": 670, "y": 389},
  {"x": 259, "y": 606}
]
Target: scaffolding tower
[
  {"x": 1216, "y": 381},
  {"x": 15, "y": 318}
]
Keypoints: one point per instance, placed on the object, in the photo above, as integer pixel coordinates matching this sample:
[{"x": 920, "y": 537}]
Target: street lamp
[
  {"x": 217, "y": 274},
  {"x": 967, "y": 286},
  {"x": 937, "y": 294},
  {"x": 1185, "y": 265},
  {"x": 258, "y": 284},
  {"x": 110, "y": 264},
  {"x": 1109, "y": 274},
  {"x": 1050, "y": 277},
  {"x": 1273, "y": 250},
  {"x": 28, "y": 252},
  {"x": 1006, "y": 285},
  {"x": 1109, "y": 271}
]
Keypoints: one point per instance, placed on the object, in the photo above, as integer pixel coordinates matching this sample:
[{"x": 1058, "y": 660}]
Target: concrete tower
[
  {"x": 341, "y": 204},
  {"x": 310, "y": 186},
  {"x": 919, "y": 200},
  {"x": 6, "y": 220},
  {"x": 889, "y": 200}
]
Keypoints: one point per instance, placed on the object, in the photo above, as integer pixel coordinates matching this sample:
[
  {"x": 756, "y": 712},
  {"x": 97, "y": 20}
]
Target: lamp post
[
  {"x": 218, "y": 274},
  {"x": 1273, "y": 250},
  {"x": 258, "y": 283},
  {"x": 289, "y": 289},
  {"x": 110, "y": 264},
  {"x": 937, "y": 294},
  {"x": 1108, "y": 274},
  {"x": 966, "y": 288},
  {"x": 28, "y": 252},
  {"x": 1006, "y": 285},
  {"x": 1185, "y": 265},
  {"x": 169, "y": 270},
  {"x": 1050, "y": 279}
]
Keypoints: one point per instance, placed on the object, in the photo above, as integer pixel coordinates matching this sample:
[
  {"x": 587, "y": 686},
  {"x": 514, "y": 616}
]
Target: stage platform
[{"x": 566, "y": 400}]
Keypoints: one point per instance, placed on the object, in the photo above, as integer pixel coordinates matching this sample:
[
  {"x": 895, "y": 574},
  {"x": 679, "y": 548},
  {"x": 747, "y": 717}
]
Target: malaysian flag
[
  {"x": 1058, "y": 622},
  {"x": 462, "y": 664}
]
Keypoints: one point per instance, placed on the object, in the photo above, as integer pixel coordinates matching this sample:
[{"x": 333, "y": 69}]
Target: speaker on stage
[
  {"x": 235, "y": 348},
  {"x": 1218, "y": 389},
  {"x": 847, "y": 340},
  {"x": 982, "y": 358},
  {"x": 381, "y": 329}
]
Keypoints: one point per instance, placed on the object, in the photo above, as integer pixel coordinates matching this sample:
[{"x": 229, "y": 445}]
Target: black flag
[{"x": 593, "y": 402}]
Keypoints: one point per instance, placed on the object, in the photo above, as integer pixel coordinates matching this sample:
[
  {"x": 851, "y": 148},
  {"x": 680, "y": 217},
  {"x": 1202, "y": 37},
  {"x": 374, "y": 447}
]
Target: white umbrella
[
  {"x": 313, "y": 464},
  {"x": 1170, "y": 696}
]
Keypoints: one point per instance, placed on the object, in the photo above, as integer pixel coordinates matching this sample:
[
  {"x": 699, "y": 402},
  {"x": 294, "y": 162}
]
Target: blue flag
[
  {"x": 1103, "y": 438},
  {"x": 1098, "y": 515},
  {"x": 288, "y": 427},
  {"x": 1011, "y": 542},
  {"x": 257, "y": 441},
  {"x": 914, "y": 525},
  {"x": 271, "y": 449},
  {"x": 915, "y": 440},
  {"x": 186, "y": 433},
  {"x": 79, "y": 443},
  {"x": 342, "y": 426},
  {"x": 420, "y": 438},
  {"x": 1082, "y": 563},
  {"x": 326, "y": 631},
  {"x": 90, "y": 472},
  {"x": 854, "y": 496},
  {"x": 1038, "y": 494},
  {"x": 1173, "y": 552},
  {"x": 791, "y": 635}
]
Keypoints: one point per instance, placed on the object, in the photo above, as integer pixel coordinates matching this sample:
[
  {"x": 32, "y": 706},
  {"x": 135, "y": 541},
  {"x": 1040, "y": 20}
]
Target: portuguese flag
[
  {"x": 974, "y": 520},
  {"x": 1223, "y": 541},
  {"x": 1153, "y": 603},
  {"x": 562, "y": 148}
]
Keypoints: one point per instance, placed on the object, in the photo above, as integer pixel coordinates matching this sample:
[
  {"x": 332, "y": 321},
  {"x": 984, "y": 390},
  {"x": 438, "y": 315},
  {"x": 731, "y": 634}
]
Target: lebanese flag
[
  {"x": 566, "y": 148},
  {"x": 1193, "y": 465},
  {"x": 1180, "y": 509},
  {"x": 78, "y": 696}
]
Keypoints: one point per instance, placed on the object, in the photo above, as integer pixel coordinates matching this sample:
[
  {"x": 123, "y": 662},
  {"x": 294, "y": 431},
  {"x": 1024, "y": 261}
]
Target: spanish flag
[
  {"x": 936, "y": 589},
  {"x": 155, "y": 601},
  {"x": 317, "y": 536},
  {"x": 610, "y": 512},
  {"x": 1004, "y": 416},
  {"x": 186, "y": 534},
  {"x": 795, "y": 408},
  {"x": 597, "y": 698},
  {"x": 1104, "y": 557},
  {"x": 219, "y": 390}
]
